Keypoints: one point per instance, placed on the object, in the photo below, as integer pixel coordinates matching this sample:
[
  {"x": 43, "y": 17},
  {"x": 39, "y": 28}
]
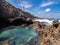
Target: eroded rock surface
[{"x": 50, "y": 35}]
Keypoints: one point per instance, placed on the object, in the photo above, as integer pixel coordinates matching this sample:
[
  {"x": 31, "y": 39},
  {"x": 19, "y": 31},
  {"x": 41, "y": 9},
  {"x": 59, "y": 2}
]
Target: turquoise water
[{"x": 19, "y": 35}]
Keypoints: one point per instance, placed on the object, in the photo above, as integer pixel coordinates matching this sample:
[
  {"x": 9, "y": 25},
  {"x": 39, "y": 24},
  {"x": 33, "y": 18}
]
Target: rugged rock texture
[
  {"x": 50, "y": 35},
  {"x": 9, "y": 11},
  {"x": 21, "y": 21},
  {"x": 55, "y": 23},
  {"x": 10, "y": 14}
]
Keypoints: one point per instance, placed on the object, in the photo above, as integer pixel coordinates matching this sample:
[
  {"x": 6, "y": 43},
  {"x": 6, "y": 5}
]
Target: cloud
[
  {"x": 48, "y": 10},
  {"x": 44, "y": 4},
  {"x": 25, "y": 4},
  {"x": 40, "y": 12}
]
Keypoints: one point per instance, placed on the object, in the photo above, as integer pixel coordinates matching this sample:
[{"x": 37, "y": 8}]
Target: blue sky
[{"x": 40, "y": 8}]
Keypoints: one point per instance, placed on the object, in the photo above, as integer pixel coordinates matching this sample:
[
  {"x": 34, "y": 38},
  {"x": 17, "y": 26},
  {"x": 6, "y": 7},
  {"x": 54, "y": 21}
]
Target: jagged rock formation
[
  {"x": 55, "y": 23},
  {"x": 20, "y": 21},
  {"x": 9, "y": 13},
  {"x": 50, "y": 35}
]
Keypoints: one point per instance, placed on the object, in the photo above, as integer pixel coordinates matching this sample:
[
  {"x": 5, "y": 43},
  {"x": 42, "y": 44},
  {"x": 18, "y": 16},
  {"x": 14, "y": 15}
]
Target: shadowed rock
[
  {"x": 7, "y": 12},
  {"x": 56, "y": 23}
]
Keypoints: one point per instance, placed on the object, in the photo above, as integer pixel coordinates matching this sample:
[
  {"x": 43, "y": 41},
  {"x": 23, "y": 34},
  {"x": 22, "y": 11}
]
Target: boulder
[{"x": 55, "y": 23}]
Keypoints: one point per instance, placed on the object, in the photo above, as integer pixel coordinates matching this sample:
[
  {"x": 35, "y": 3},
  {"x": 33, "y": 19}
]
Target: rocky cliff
[{"x": 9, "y": 13}]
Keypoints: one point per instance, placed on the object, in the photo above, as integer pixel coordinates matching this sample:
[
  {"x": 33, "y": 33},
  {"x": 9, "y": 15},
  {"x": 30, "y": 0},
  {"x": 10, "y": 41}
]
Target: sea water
[{"x": 20, "y": 36}]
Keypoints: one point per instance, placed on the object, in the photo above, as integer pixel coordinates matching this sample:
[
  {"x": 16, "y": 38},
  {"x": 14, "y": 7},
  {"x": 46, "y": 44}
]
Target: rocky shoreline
[
  {"x": 50, "y": 35},
  {"x": 11, "y": 16}
]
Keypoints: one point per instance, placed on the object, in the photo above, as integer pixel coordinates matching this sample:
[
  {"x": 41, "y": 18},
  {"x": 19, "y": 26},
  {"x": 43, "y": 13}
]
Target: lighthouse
[{"x": 23, "y": 8}]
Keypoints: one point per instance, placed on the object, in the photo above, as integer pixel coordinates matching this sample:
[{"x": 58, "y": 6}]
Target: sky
[{"x": 39, "y": 8}]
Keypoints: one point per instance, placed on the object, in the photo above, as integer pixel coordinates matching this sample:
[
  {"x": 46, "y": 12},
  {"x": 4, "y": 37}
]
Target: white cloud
[
  {"x": 48, "y": 10},
  {"x": 44, "y": 4},
  {"x": 26, "y": 4}
]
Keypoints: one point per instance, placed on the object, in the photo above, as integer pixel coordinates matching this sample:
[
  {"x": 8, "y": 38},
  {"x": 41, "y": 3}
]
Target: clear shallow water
[{"x": 19, "y": 35}]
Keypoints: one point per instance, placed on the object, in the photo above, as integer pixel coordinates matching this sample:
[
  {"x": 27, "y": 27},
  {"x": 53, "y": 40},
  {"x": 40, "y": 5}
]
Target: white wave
[{"x": 44, "y": 20}]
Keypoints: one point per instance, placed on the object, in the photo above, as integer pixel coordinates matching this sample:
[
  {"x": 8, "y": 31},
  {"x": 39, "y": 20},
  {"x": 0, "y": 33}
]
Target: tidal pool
[{"x": 20, "y": 36}]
